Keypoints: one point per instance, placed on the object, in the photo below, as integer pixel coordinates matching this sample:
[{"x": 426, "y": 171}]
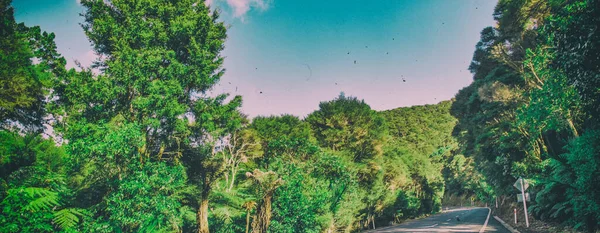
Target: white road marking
[
  {"x": 448, "y": 220},
  {"x": 486, "y": 221}
]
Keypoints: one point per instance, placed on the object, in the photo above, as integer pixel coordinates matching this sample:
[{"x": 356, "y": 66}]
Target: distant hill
[{"x": 424, "y": 128}]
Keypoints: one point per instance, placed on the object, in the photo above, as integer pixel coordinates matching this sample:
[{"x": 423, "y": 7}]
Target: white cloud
[{"x": 241, "y": 7}]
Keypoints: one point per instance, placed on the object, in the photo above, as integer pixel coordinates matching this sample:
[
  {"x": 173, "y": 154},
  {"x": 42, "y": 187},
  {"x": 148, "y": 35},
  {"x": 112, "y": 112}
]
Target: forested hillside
[
  {"x": 533, "y": 107},
  {"x": 135, "y": 144}
]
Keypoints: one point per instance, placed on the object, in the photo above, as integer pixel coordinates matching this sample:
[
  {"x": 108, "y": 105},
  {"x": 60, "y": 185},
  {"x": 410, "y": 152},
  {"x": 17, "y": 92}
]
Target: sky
[{"x": 286, "y": 56}]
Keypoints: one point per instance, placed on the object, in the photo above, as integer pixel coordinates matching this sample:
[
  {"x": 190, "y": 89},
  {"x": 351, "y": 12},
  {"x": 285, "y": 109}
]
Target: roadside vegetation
[{"x": 532, "y": 110}]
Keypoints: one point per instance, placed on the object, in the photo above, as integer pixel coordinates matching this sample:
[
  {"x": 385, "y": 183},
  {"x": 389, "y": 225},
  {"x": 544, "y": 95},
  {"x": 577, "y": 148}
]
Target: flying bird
[{"x": 310, "y": 70}]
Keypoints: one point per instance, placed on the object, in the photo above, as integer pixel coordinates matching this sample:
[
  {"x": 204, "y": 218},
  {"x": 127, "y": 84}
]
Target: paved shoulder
[
  {"x": 495, "y": 226},
  {"x": 456, "y": 220}
]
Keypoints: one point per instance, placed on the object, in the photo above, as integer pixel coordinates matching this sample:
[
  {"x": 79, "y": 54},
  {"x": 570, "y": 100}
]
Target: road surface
[{"x": 471, "y": 220}]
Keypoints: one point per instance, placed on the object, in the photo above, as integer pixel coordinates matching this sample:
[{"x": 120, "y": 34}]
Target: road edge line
[
  {"x": 486, "y": 220},
  {"x": 508, "y": 227}
]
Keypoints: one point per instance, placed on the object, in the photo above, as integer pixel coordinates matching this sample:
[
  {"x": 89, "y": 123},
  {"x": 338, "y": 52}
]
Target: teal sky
[{"x": 298, "y": 53}]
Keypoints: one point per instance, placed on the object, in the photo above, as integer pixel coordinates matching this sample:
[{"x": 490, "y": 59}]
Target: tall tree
[
  {"x": 23, "y": 84},
  {"x": 157, "y": 58}
]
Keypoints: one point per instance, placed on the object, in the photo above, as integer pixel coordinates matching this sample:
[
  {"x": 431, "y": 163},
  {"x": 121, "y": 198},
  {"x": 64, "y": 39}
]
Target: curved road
[{"x": 471, "y": 220}]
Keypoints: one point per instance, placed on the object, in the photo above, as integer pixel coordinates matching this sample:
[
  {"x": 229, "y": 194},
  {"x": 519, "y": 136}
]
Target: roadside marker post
[{"x": 515, "y": 216}]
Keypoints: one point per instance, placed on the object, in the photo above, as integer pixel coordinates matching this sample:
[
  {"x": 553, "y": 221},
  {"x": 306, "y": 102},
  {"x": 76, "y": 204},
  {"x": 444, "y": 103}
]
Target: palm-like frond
[
  {"x": 67, "y": 218},
  {"x": 43, "y": 199}
]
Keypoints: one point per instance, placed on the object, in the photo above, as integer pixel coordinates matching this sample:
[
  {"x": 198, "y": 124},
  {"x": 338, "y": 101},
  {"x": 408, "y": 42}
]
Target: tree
[
  {"x": 248, "y": 206},
  {"x": 242, "y": 146},
  {"x": 157, "y": 60},
  {"x": 279, "y": 133},
  {"x": 24, "y": 85},
  {"x": 348, "y": 124},
  {"x": 266, "y": 183},
  {"x": 205, "y": 152}
]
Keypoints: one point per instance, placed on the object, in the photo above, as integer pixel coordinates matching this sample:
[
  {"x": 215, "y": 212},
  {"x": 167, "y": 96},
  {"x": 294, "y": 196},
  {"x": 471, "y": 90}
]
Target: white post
[
  {"x": 515, "y": 216},
  {"x": 524, "y": 203},
  {"x": 496, "y": 202}
]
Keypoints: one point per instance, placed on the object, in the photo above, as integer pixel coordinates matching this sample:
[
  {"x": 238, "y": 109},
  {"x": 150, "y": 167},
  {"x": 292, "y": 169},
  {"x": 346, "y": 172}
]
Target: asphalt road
[{"x": 471, "y": 220}]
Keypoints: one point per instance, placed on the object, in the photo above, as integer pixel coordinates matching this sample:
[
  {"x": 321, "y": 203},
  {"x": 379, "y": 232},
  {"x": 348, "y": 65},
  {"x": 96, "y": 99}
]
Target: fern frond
[
  {"x": 67, "y": 218},
  {"x": 223, "y": 213},
  {"x": 43, "y": 199},
  {"x": 187, "y": 213}
]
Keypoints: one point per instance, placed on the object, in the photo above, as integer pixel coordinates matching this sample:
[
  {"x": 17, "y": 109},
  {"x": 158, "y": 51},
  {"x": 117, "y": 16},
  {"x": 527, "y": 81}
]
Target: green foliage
[
  {"x": 129, "y": 126},
  {"x": 297, "y": 203},
  {"x": 275, "y": 127},
  {"x": 348, "y": 124},
  {"x": 33, "y": 194},
  {"x": 24, "y": 85},
  {"x": 569, "y": 194},
  {"x": 28, "y": 209},
  {"x": 423, "y": 129},
  {"x": 148, "y": 200},
  {"x": 572, "y": 31},
  {"x": 67, "y": 218},
  {"x": 532, "y": 109}
]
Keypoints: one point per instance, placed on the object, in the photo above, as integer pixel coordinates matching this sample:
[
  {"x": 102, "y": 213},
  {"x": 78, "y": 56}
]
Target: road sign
[
  {"x": 520, "y": 197},
  {"x": 521, "y": 183}
]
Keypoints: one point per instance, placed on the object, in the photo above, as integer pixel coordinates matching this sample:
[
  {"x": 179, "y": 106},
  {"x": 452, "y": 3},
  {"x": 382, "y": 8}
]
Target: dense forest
[
  {"x": 533, "y": 107},
  {"x": 135, "y": 144}
]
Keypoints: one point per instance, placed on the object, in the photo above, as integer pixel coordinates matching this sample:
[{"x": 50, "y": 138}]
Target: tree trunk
[
  {"x": 572, "y": 126},
  {"x": 247, "y": 220},
  {"x": 373, "y": 219},
  {"x": 226, "y": 180},
  {"x": 263, "y": 215},
  {"x": 232, "y": 179},
  {"x": 203, "y": 213}
]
